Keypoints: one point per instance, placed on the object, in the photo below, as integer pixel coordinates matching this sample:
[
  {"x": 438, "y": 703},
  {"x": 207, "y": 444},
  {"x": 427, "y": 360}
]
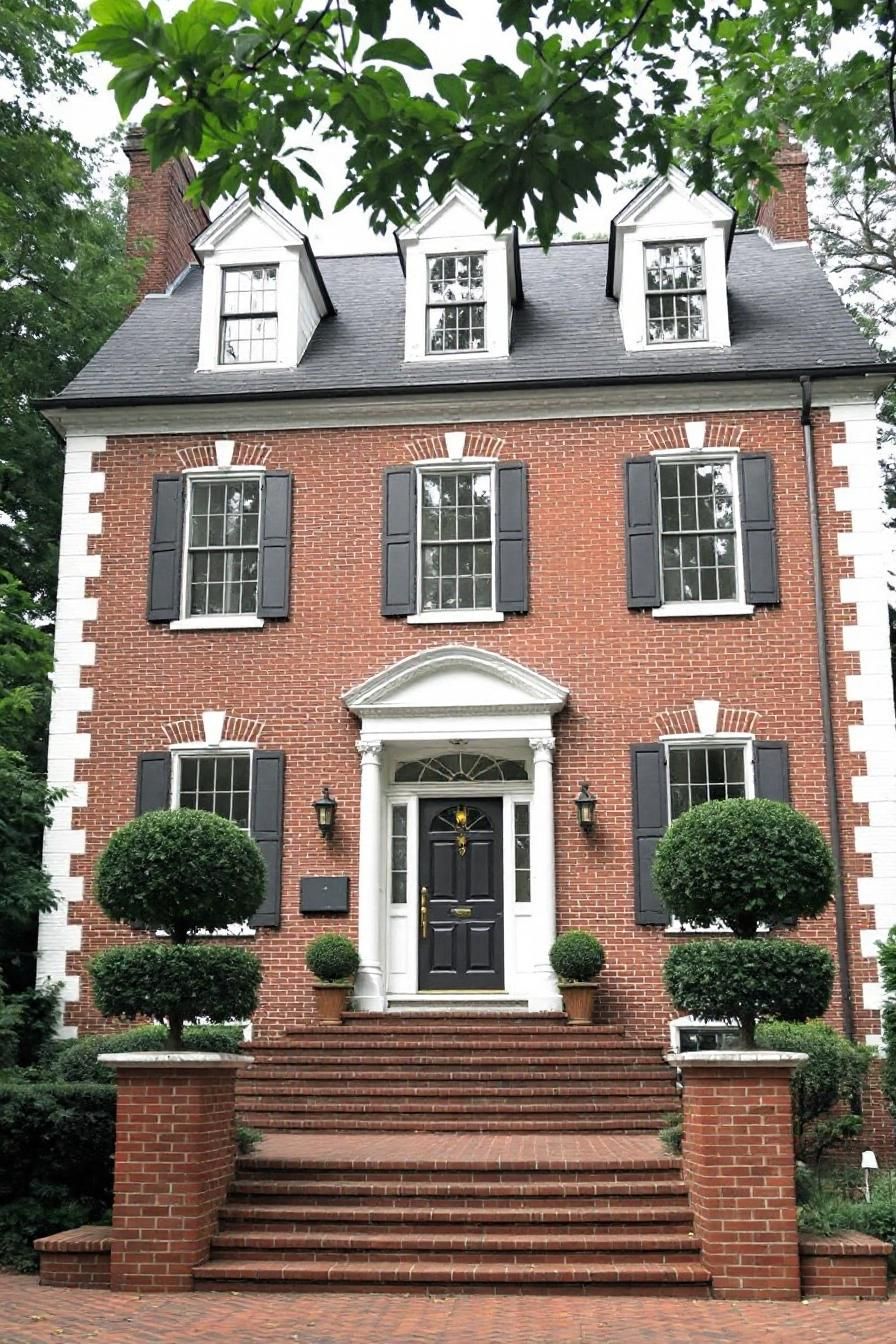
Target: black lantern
[
  {"x": 325, "y": 807},
  {"x": 585, "y": 804}
]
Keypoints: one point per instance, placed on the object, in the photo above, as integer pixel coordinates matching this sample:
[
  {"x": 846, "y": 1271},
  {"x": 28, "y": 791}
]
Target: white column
[
  {"x": 544, "y": 995},
  {"x": 370, "y": 991}
]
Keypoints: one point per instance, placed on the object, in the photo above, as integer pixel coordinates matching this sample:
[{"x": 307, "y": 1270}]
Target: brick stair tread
[
  {"x": 439, "y": 1026},
  {"x": 275, "y": 1087},
  {"x": 492, "y": 1241},
  {"x": 514, "y": 1053},
  {"x": 407, "y": 1106},
  {"x": 410, "y": 1269},
  {"x": 590, "y": 1212},
  {"x": 564, "y": 1074},
  {"x": 495, "y": 1165},
  {"x": 335, "y": 1121},
  {"x": 458, "y": 1194}
]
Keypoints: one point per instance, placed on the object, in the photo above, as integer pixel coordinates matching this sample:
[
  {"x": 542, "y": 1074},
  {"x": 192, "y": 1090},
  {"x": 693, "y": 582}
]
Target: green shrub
[
  {"x": 576, "y": 956},
  {"x": 78, "y": 1062},
  {"x": 748, "y": 979},
  {"x": 175, "y": 983},
  {"x": 181, "y": 872},
  {"x": 888, "y": 1063},
  {"x": 831, "y": 1077},
  {"x": 829, "y": 1210},
  {"x": 27, "y": 1025},
  {"x": 49, "y": 1209},
  {"x": 671, "y": 1136},
  {"x": 745, "y": 861},
  {"x": 247, "y": 1138},
  {"x": 332, "y": 958}
]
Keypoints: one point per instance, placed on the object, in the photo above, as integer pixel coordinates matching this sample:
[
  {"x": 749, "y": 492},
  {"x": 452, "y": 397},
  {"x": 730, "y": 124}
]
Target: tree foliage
[
  {"x": 332, "y": 957},
  {"x": 576, "y": 956},
  {"x": 595, "y": 88},
  {"x": 746, "y": 862}
]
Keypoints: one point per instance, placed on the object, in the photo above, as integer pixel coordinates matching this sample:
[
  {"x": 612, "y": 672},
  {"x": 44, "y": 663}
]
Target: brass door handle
[{"x": 424, "y": 911}]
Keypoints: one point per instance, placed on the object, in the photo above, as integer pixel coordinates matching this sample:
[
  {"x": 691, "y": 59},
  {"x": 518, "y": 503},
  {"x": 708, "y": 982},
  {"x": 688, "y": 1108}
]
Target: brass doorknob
[{"x": 424, "y": 911}]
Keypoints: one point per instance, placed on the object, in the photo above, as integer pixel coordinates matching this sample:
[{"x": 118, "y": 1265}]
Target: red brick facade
[
  {"x": 161, "y": 225},
  {"x": 785, "y": 215},
  {"x": 631, "y": 677}
]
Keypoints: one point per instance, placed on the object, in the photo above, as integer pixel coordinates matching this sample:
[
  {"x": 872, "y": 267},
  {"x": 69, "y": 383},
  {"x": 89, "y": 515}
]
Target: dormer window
[
  {"x": 249, "y": 315},
  {"x": 455, "y": 313},
  {"x": 675, "y": 289}
]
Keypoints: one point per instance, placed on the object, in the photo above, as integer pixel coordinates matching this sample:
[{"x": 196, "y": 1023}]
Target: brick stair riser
[
  {"x": 560, "y": 1077},
  {"x": 481, "y": 1171},
  {"x": 473, "y": 1106},
  {"x": 473, "y": 1195},
  {"x": 273, "y": 1085},
  {"x": 521, "y": 1058},
  {"x": 523, "y": 1224},
  {"x": 298, "y": 1124},
  {"x": 350, "y": 1253},
  {"x": 510, "y": 1043}
]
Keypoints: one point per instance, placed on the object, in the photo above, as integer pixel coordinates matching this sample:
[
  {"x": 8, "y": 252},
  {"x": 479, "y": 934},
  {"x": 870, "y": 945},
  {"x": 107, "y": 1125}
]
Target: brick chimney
[
  {"x": 161, "y": 224},
  {"x": 784, "y": 217}
]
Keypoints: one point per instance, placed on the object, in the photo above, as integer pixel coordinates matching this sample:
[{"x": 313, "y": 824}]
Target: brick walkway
[{"x": 32, "y": 1315}]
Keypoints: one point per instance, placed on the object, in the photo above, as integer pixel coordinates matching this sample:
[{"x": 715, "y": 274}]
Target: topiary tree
[
  {"x": 746, "y": 863},
  {"x": 576, "y": 957},
  {"x": 181, "y": 873},
  {"x": 332, "y": 958}
]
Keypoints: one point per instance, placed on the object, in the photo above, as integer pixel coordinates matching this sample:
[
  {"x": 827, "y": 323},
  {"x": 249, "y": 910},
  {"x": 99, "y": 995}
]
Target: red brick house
[{"x": 450, "y": 530}]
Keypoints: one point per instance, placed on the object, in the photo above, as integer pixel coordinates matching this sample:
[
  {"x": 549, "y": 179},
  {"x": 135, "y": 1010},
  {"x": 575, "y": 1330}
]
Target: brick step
[
  {"x": 346, "y": 1122},
  {"x": 522, "y": 1075},
  {"x": 479, "y": 1192},
  {"x": 686, "y": 1277},
  {"x": 440, "y": 1024},
  {"x": 363, "y": 1104},
  {"x": 492, "y": 1169},
  {"x": 371, "y": 1244},
  {"x": 622, "y": 1216},
  {"x": 518, "y": 1053},
  {"x": 564, "y": 1038},
  {"x": 520, "y": 1089},
  {"x": 453, "y": 1016}
]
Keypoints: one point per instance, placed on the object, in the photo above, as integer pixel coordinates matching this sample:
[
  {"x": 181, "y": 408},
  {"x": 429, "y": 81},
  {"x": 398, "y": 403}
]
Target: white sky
[{"x": 92, "y": 117}]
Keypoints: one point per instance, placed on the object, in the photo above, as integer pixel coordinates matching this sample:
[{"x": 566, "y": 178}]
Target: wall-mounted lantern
[
  {"x": 325, "y": 807},
  {"x": 585, "y": 807}
]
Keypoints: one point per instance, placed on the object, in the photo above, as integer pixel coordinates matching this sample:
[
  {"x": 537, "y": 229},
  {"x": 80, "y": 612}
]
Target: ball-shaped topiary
[
  {"x": 180, "y": 872},
  {"x": 576, "y": 956},
  {"x": 745, "y": 861},
  {"x": 332, "y": 958},
  {"x": 747, "y": 979},
  {"x": 176, "y": 983}
]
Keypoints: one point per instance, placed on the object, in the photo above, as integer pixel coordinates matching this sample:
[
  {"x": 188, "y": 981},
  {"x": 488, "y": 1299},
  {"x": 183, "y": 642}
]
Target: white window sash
[
  {"x": 206, "y": 476},
  {"x": 461, "y": 614},
  {"x": 733, "y": 606}
]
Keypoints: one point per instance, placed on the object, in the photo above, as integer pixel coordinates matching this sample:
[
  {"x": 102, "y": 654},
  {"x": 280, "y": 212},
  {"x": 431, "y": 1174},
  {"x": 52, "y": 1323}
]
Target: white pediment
[
  {"x": 452, "y": 680},
  {"x": 244, "y": 225}
]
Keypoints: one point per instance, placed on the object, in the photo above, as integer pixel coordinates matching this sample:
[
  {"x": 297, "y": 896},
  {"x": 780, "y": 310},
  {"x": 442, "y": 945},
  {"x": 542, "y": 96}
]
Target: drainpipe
[{"x": 826, "y": 718}]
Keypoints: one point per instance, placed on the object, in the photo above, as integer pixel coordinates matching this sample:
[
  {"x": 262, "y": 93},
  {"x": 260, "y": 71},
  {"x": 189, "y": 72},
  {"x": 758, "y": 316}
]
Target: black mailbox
[{"x": 323, "y": 896}]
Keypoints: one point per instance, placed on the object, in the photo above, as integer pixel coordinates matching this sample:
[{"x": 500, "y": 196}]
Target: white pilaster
[
  {"x": 370, "y": 985},
  {"x": 546, "y": 997}
]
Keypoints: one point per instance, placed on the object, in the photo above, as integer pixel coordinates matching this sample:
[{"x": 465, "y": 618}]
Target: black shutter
[
  {"x": 651, "y": 817},
  {"x": 273, "y": 585},
  {"x": 267, "y": 831},
  {"x": 153, "y": 782},
  {"x": 399, "y": 596},
  {"x": 772, "y": 771},
  {"x": 165, "y": 545},
  {"x": 757, "y": 513},
  {"x": 642, "y": 539},
  {"x": 512, "y": 540}
]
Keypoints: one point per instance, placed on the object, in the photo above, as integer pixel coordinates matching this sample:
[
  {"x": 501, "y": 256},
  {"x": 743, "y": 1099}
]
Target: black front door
[{"x": 461, "y": 897}]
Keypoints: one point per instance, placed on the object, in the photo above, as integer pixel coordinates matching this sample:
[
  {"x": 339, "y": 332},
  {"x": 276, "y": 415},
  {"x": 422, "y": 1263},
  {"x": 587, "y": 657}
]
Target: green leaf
[
  {"x": 400, "y": 51},
  {"x": 129, "y": 87},
  {"x": 283, "y": 184}
]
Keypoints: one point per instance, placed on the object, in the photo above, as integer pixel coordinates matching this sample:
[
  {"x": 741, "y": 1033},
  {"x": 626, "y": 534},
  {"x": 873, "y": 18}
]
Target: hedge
[{"x": 77, "y": 1062}]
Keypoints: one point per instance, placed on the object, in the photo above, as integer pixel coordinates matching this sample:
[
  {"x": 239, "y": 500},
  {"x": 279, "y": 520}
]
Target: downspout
[{"x": 826, "y": 717}]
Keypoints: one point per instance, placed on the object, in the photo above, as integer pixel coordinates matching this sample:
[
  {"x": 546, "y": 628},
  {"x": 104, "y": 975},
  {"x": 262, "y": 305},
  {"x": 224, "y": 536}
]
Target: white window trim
[
  {"x": 461, "y": 616},
  {"x": 746, "y": 742},
  {"x": 497, "y": 300},
  {"x": 650, "y": 294},
  {"x": 291, "y": 285},
  {"x": 729, "y": 606},
  {"x": 247, "y": 266},
  {"x": 237, "y": 620},
  {"x": 679, "y": 1024},
  {"x": 178, "y": 751},
  {"x": 466, "y": 303}
]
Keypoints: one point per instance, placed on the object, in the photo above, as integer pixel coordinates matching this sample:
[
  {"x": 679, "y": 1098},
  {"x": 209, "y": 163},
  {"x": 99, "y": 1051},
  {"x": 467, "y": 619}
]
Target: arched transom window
[{"x": 466, "y": 766}]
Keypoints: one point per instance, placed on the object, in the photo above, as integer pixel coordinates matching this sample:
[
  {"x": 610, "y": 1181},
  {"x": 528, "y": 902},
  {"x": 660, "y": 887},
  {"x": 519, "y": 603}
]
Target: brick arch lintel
[
  {"x": 731, "y": 719},
  {"x": 244, "y": 455},
  {"x": 675, "y": 436},
  {"x": 435, "y": 446},
  {"x": 237, "y": 728}
]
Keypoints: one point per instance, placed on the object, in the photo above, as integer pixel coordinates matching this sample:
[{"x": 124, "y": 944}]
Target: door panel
[{"x": 461, "y": 872}]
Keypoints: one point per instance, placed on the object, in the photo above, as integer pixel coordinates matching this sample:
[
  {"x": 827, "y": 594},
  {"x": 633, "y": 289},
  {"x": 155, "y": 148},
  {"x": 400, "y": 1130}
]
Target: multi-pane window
[
  {"x": 701, "y": 774},
  {"x": 521, "y": 852},
  {"x": 456, "y": 552},
  {"x": 222, "y": 548},
  {"x": 217, "y": 783},
  {"x": 698, "y": 537},
  {"x": 398, "y": 855},
  {"x": 455, "y": 311},
  {"x": 676, "y": 293},
  {"x": 249, "y": 315}
]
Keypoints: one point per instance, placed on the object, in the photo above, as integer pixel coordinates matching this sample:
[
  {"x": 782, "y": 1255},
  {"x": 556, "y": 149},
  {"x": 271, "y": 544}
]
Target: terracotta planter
[
  {"x": 330, "y": 1001},
  {"x": 578, "y": 1003}
]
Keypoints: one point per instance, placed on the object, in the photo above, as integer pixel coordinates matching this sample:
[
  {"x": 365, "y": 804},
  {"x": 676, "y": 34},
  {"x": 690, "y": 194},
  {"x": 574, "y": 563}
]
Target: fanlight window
[{"x": 456, "y": 766}]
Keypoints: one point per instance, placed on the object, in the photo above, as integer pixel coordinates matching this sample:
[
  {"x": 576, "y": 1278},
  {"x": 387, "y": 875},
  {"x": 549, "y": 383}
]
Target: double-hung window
[
  {"x": 223, "y": 547},
  {"x": 698, "y": 531},
  {"x": 675, "y": 290},
  {"x": 219, "y": 782},
  {"x": 249, "y": 315},
  {"x": 457, "y": 540},
  {"x": 705, "y": 774},
  {"x": 455, "y": 309}
]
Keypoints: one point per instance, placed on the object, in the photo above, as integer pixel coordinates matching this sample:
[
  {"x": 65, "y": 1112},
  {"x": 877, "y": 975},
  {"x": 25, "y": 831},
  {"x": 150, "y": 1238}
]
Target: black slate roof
[{"x": 785, "y": 318}]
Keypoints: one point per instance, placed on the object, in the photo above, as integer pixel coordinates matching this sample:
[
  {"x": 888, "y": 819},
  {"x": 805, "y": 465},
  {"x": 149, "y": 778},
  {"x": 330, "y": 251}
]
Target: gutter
[{"x": 833, "y": 801}]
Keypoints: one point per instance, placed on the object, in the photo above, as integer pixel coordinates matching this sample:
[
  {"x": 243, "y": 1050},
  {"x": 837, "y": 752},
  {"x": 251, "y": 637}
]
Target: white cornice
[{"x": 459, "y": 406}]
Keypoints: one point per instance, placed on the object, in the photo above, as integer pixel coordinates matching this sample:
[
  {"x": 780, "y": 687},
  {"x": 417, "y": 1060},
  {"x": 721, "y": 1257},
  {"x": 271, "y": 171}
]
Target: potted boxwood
[
  {"x": 181, "y": 874},
  {"x": 334, "y": 961},
  {"x": 576, "y": 958},
  {"x": 751, "y": 865}
]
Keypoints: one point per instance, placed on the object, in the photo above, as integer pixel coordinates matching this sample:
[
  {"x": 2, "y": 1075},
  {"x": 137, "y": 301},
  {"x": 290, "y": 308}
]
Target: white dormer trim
[
  {"x": 667, "y": 210},
  {"x": 456, "y": 225},
  {"x": 257, "y": 235}
]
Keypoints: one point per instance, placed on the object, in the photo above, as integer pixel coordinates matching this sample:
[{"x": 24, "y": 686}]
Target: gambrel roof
[{"x": 785, "y": 319}]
